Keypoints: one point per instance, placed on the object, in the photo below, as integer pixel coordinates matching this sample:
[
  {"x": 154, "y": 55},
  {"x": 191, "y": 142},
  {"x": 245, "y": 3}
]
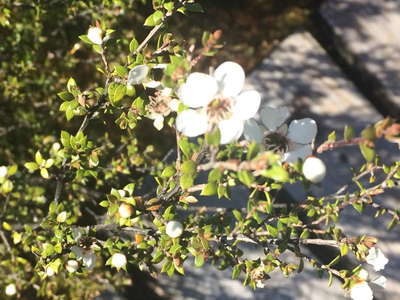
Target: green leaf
[
  {"x": 238, "y": 215},
  {"x": 120, "y": 70},
  {"x": 332, "y": 136},
  {"x": 104, "y": 203},
  {"x": 31, "y": 166},
  {"x": 12, "y": 170},
  {"x": 188, "y": 167},
  {"x": 237, "y": 269},
  {"x": 199, "y": 261},
  {"x": 38, "y": 158},
  {"x": 367, "y": 152},
  {"x": 369, "y": 133},
  {"x": 209, "y": 189},
  {"x": 272, "y": 231},
  {"x": 65, "y": 139},
  {"x": 358, "y": 206},
  {"x": 277, "y": 173},
  {"x": 246, "y": 177},
  {"x": 72, "y": 86},
  {"x": 348, "y": 133},
  {"x": 44, "y": 173},
  {"x": 116, "y": 92},
  {"x": 253, "y": 150},
  {"x": 66, "y": 96},
  {"x": 133, "y": 45},
  {"x": 222, "y": 191},
  {"x": 168, "y": 172},
  {"x": 344, "y": 249},
  {"x": 215, "y": 175},
  {"x": 154, "y": 19},
  {"x": 186, "y": 181},
  {"x": 85, "y": 39},
  {"x": 184, "y": 145}
]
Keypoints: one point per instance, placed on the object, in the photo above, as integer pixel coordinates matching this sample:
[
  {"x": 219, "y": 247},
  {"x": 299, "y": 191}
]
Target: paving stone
[{"x": 367, "y": 31}]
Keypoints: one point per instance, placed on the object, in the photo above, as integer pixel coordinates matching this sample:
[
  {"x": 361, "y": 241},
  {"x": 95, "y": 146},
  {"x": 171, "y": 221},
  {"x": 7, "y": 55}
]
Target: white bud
[
  {"x": 95, "y": 35},
  {"x": 72, "y": 266},
  {"x": 125, "y": 210},
  {"x": 11, "y": 289},
  {"x": 50, "y": 271},
  {"x": 3, "y": 171},
  {"x": 174, "y": 229},
  {"x": 118, "y": 260},
  {"x": 314, "y": 169}
]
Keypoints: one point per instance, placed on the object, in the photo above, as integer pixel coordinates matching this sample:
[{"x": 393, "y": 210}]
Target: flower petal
[
  {"x": 89, "y": 259},
  {"x": 246, "y": 105},
  {"x": 381, "y": 281},
  {"x": 274, "y": 117},
  {"x": 376, "y": 258},
  {"x": 191, "y": 123},
  {"x": 252, "y": 131},
  {"x": 198, "y": 90},
  {"x": 137, "y": 74},
  {"x": 95, "y": 35},
  {"x": 230, "y": 130},
  {"x": 361, "y": 291},
  {"x": 296, "y": 153},
  {"x": 78, "y": 251},
  {"x": 302, "y": 131},
  {"x": 158, "y": 122},
  {"x": 230, "y": 77}
]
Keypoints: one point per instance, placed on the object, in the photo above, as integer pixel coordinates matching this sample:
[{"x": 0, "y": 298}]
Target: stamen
[
  {"x": 276, "y": 142},
  {"x": 219, "y": 109}
]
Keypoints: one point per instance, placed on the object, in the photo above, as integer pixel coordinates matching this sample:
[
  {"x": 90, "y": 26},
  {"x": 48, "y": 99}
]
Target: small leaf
[
  {"x": 44, "y": 173},
  {"x": 209, "y": 189},
  {"x": 332, "y": 137},
  {"x": 246, "y": 177},
  {"x": 31, "y": 166},
  {"x": 367, "y": 152},
  {"x": 154, "y": 19},
  {"x": 348, "y": 133},
  {"x": 133, "y": 45},
  {"x": 66, "y": 96},
  {"x": 199, "y": 261}
]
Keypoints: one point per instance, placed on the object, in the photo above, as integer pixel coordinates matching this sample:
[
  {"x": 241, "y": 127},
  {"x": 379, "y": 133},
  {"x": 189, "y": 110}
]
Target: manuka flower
[
  {"x": 217, "y": 102},
  {"x": 293, "y": 142}
]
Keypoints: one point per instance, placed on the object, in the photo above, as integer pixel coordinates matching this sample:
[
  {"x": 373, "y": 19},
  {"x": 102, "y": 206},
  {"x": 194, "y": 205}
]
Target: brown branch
[{"x": 342, "y": 143}]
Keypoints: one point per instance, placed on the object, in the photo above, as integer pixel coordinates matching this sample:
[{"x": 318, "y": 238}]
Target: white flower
[
  {"x": 72, "y": 265},
  {"x": 3, "y": 171},
  {"x": 95, "y": 35},
  {"x": 381, "y": 281},
  {"x": 118, "y": 260},
  {"x": 361, "y": 291},
  {"x": 174, "y": 229},
  {"x": 217, "y": 102},
  {"x": 11, "y": 289},
  {"x": 314, "y": 169},
  {"x": 137, "y": 74},
  {"x": 376, "y": 258},
  {"x": 88, "y": 257},
  {"x": 294, "y": 141}
]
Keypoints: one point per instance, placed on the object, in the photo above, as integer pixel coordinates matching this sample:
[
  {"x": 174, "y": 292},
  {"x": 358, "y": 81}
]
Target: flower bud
[
  {"x": 314, "y": 169},
  {"x": 11, "y": 289},
  {"x": 3, "y": 171},
  {"x": 174, "y": 229},
  {"x": 125, "y": 210},
  {"x": 72, "y": 266},
  {"x": 95, "y": 35},
  {"x": 118, "y": 260},
  {"x": 50, "y": 271}
]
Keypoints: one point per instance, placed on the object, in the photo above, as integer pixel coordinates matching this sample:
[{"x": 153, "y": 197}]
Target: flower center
[
  {"x": 276, "y": 142},
  {"x": 219, "y": 109}
]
